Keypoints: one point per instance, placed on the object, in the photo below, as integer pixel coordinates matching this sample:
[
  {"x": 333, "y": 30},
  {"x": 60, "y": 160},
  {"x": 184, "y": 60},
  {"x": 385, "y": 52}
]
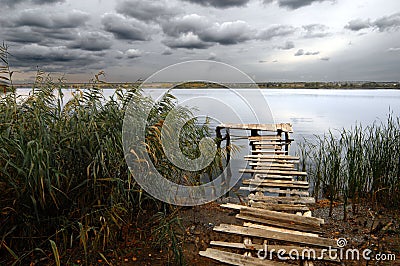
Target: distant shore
[{"x": 263, "y": 85}]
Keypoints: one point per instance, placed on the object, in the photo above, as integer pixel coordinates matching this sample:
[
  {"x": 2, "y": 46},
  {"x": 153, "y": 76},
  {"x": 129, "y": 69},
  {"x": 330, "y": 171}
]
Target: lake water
[{"x": 311, "y": 112}]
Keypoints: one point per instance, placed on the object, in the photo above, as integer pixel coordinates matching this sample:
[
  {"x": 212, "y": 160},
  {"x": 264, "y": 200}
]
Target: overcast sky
[{"x": 270, "y": 40}]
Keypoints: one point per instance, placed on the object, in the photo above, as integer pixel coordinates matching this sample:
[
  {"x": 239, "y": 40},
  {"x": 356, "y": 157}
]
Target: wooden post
[
  {"x": 228, "y": 159},
  {"x": 287, "y": 142}
]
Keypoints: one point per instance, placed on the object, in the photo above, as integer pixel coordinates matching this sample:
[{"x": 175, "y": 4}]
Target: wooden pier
[{"x": 279, "y": 221}]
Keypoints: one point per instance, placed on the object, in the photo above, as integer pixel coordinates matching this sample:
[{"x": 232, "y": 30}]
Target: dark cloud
[
  {"x": 91, "y": 41},
  {"x": 146, "y": 10},
  {"x": 227, "y": 33},
  {"x": 301, "y": 52},
  {"x": 358, "y": 24},
  {"x": 40, "y": 19},
  {"x": 388, "y": 23},
  {"x": 287, "y": 46},
  {"x": 125, "y": 29},
  {"x": 295, "y": 4},
  {"x": 133, "y": 53},
  {"x": 167, "y": 51},
  {"x": 315, "y": 31},
  {"x": 194, "y": 31},
  {"x": 275, "y": 31},
  {"x": 188, "y": 23},
  {"x": 42, "y": 56},
  {"x": 12, "y": 3},
  {"x": 220, "y": 3},
  {"x": 188, "y": 41},
  {"x": 325, "y": 58}
]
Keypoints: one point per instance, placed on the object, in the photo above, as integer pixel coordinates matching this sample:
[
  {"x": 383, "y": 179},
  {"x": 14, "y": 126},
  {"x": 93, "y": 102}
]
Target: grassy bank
[
  {"x": 65, "y": 189},
  {"x": 363, "y": 163}
]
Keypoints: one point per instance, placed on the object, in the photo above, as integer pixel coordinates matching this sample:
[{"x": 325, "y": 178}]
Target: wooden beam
[
  {"x": 263, "y": 127},
  {"x": 288, "y": 200},
  {"x": 237, "y": 259},
  {"x": 279, "y": 207},
  {"x": 278, "y": 172},
  {"x": 282, "y": 230},
  {"x": 267, "y": 183},
  {"x": 277, "y": 191},
  {"x": 277, "y": 157},
  {"x": 272, "y": 235},
  {"x": 280, "y": 224},
  {"x": 302, "y": 251}
]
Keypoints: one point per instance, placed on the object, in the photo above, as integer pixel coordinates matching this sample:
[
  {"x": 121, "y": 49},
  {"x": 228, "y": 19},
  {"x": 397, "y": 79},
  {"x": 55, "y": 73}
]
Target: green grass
[
  {"x": 361, "y": 163},
  {"x": 64, "y": 182}
]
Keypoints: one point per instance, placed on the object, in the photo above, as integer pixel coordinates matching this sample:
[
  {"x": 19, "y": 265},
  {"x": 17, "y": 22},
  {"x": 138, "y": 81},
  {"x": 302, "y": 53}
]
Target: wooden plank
[
  {"x": 280, "y": 224},
  {"x": 275, "y": 215},
  {"x": 272, "y": 235},
  {"x": 282, "y": 230},
  {"x": 275, "y": 168},
  {"x": 291, "y": 182},
  {"x": 276, "y": 191},
  {"x": 272, "y": 164},
  {"x": 280, "y": 216},
  {"x": 284, "y": 127},
  {"x": 275, "y": 177},
  {"x": 259, "y": 151},
  {"x": 237, "y": 259},
  {"x": 277, "y": 157},
  {"x": 268, "y": 183},
  {"x": 279, "y": 207},
  {"x": 272, "y": 172},
  {"x": 265, "y": 138},
  {"x": 304, "y": 252},
  {"x": 288, "y": 200}
]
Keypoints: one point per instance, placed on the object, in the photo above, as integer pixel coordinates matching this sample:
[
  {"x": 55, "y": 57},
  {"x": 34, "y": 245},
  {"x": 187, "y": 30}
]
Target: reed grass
[
  {"x": 358, "y": 163},
  {"x": 64, "y": 182}
]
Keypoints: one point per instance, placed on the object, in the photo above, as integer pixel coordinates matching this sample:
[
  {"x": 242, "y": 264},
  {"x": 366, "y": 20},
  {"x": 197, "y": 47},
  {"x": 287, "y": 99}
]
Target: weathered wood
[
  {"x": 279, "y": 207},
  {"x": 265, "y": 138},
  {"x": 237, "y": 259},
  {"x": 274, "y": 184},
  {"x": 268, "y": 234},
  {"x": 280, "y": 224},
  {"x": 284, "y": 127},
  {"x": 276, "y": 157},
  {"x": 275, "y": 215},
  {"x": 304, "y": 252},
  {"x": 280, "y": 216},
  {"x": 290, "y": 182},
  {"x": 282, "y": 230},
  {"x": 259, "y": 151},
  {"x": 273, "y": 172},
  {"x": 288, "y": 200},
  {"x": 272, "y": 164},
  {"x": 274, "y": 177},
  {"x": 274, "y": 168},
  {"x": 276, "y": 191}
]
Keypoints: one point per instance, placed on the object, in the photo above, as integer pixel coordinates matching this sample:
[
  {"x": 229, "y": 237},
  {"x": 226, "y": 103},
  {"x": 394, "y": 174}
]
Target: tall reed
[
  {"x": 64, "y": 182},
  {"x": 358, "y": 163}
]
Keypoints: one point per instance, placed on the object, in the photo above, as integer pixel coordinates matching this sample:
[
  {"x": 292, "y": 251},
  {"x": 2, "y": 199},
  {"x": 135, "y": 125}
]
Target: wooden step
[
  {"x": 279, "y": 236},
  {"x": 287, "y": 200},
  {"x": 280, "y": 224},
  {"x": 282, "y": 230},
  {"x": 272, "y": 164},
  {"x": 276, "y": 157},
  {"x": 279, "y": 207},
  {"x": 302, "y": 251},
  {"x": 273, "y": 172},
  {"x": 274, "y": 184},
  {"x": 276, "y": 191},
  {"x": 259, "y": 151},
  {"x": 264, "y": 138},
  {"x": 274, "y": 215},
  {"x": 237, "y": 259}
]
